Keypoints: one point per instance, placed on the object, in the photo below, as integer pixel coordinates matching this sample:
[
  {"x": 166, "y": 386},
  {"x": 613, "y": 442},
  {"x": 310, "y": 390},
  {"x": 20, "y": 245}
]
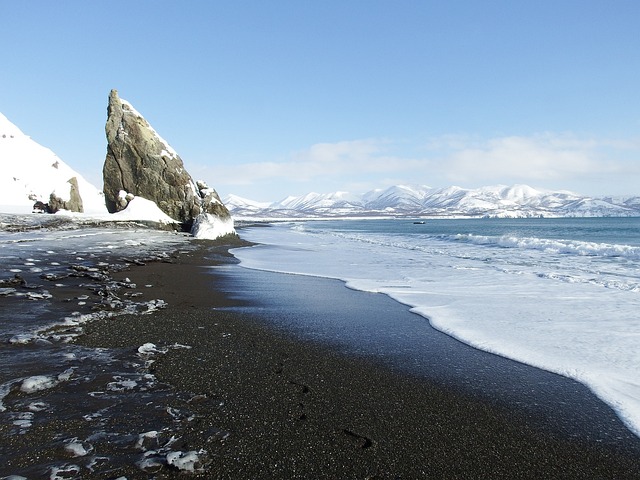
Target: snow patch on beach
[
  {"x": 139, "y": 208},
  {"x": 150, "y": 349},
  {"x": 23, "y": 420}
]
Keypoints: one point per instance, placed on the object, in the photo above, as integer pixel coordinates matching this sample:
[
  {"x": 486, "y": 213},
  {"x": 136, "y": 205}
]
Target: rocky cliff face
[{"x": 140, "y": 163}]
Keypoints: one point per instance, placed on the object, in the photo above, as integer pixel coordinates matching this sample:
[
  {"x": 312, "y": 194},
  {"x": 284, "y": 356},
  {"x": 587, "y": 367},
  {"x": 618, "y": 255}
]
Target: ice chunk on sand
[
  {"x": 188, "y": 461},
  {"x": 150, "y": 349}
]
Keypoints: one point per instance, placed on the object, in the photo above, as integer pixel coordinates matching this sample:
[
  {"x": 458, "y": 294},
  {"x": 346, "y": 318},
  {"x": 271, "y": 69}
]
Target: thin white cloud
[
  {"x": 532, "y": 159},
  {"x": 538, "y": 159},
  {"x": 323, "y": 160}
]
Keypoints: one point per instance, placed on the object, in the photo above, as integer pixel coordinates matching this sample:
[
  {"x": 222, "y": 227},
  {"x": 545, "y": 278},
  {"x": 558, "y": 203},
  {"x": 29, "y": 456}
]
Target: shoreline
[
  {"x": 241, "y": 387},
  {"x": 271, "y": 404}
]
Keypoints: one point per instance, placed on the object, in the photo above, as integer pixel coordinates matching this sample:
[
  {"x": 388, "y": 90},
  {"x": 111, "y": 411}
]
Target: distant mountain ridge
[{"x": 498, "y": 201}]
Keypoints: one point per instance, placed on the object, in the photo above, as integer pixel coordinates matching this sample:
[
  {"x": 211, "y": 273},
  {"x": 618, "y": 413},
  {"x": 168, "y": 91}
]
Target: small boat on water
[{"x": 419, "y": 222}]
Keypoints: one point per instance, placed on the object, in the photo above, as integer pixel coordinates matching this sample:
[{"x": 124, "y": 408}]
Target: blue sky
[{"x": 266, "y": 99}]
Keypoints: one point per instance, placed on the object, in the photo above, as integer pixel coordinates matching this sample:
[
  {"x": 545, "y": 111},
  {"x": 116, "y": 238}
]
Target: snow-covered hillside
[
  {"x": 420, "y": 200},
  {"x": 31, "y": 172}
]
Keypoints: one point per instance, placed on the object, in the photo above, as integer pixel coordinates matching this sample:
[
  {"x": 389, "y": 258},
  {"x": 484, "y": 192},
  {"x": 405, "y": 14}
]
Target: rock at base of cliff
[
  {"x": 210, "y": 227},
  {"x": 73, "y": 203}
]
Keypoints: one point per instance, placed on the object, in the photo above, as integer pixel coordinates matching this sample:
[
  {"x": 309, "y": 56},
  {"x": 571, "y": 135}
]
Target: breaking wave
[{"x": 566, "y": 247}]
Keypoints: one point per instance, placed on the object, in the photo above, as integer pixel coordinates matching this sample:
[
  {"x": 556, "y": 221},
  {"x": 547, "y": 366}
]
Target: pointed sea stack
[{"x": 140, "y": 163}]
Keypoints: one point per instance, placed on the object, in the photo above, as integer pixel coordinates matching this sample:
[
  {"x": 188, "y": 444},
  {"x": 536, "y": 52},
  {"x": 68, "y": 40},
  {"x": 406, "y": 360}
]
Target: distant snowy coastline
[{"x": 500, "y": 201}]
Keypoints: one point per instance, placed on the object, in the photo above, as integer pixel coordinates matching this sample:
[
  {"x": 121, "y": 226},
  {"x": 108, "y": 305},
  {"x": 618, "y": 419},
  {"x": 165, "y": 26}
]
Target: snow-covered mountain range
[{"x": 419, "y": 200}]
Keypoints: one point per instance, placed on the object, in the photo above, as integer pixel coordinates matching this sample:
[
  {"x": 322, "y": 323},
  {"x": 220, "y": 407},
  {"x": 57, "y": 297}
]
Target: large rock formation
[{"x": 140, "y": 163}]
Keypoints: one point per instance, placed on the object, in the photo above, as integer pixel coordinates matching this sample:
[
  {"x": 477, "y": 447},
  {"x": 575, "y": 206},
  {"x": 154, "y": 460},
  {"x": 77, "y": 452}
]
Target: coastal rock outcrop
[
  {"x": 73, "y": 203},
  {"x": 140, "y": 163}
]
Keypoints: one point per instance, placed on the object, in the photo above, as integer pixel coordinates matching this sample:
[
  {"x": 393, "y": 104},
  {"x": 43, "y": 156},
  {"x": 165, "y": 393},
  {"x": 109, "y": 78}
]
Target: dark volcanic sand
[
  {"x": 268, "y": 404},
  {"x": 266, "y": 401}
]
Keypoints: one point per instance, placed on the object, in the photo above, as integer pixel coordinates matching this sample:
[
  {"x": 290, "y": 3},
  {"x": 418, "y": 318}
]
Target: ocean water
[{"x": 558, "y": 294}]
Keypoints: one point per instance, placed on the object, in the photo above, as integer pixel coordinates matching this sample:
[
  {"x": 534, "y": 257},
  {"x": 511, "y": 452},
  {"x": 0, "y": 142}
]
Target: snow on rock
[
  {"x": 167, "y": 149},
  {"x": 31, "y": 173},
  {"x": 210, "y": 227},
  {"x": 139, "y": 208}
]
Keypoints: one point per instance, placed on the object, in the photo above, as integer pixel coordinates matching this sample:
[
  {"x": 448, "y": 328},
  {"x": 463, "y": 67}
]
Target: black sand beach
[{"x": 264, "y": 400}]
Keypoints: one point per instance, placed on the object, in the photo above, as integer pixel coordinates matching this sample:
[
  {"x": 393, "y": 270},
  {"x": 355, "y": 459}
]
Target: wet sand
[{"x": 266, "y": 402}]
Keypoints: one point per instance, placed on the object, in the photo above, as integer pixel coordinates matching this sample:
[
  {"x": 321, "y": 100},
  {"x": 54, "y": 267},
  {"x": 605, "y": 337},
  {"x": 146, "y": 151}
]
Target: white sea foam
[
  {"x": 37, "y": 406},
  {"x": 553, "y": 246},
  {"x": 5, "y": 389},
  {"x": 23, "y": 420},
  {"x": 64, "y": 472},
  {"x": 78, "y": 448},
  {"x": 569, "y": 307},
  {"x": 121, "y": 384},
  {"x": 22, "y": 338},
  {"x": 37, "y": 383}
]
